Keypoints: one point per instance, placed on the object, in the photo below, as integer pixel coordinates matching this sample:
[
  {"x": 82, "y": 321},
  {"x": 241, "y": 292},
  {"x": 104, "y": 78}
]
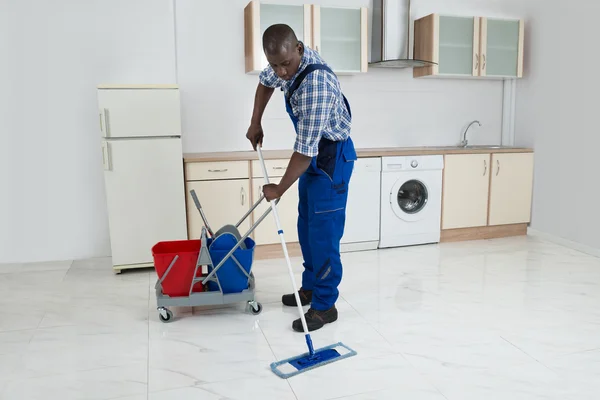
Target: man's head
[{"x": 283, "y": 50}]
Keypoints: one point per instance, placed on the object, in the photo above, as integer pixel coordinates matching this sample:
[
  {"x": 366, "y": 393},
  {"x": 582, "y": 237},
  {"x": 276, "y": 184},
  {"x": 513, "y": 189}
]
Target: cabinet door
[
  {"x": 139, "y": 112},
  {"x": 258, "y": 17},
  {"x": 502, "y": 47},
  {"x": 459, "y": 46},
  {"x": 266, "y": 232},
  {"x": 465, "y": 190},
  {"x": 224, "y": 203},
  {"x": 511, "y": 191},
  {"x": 340, "y": 37}
]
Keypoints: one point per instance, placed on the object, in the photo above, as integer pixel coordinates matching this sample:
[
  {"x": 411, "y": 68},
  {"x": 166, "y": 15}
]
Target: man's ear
[{"x": 300, "y": 48}]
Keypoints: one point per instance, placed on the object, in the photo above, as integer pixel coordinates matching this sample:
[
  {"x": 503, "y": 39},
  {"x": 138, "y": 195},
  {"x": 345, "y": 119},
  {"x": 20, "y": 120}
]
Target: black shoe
[
  {"x": 290, "y": 299},
  {"x": 316, "y": 319}
]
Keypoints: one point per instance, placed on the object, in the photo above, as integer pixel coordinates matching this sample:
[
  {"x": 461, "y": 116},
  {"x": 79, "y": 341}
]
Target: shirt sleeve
[
  {"x": 315, "y": 102},
  {"x": 269, "y": 78}
]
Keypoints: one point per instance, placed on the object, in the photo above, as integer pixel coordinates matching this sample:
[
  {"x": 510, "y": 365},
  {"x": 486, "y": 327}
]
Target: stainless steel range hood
[{"x": 390, "y": 40}]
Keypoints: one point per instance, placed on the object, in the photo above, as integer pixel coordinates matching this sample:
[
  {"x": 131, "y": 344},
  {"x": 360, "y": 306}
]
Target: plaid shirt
[{"x": 318, "y": 104}]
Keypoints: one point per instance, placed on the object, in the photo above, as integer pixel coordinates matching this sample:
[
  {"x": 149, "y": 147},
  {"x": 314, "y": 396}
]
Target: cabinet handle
[
  {"x": 484, "y": 167},
  {"x": 483, "y": 55},
  {"x": 242, "y": 196},
  {"x": 498, "y": 164},
  {"x": 476, "y": 61},
  {"x": 101, "y": 126},
  {"x": 218, "y": 170}
]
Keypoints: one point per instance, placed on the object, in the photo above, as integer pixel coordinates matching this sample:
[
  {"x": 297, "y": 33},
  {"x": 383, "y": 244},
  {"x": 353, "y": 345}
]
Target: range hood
[{"x": 390, "y": 40}]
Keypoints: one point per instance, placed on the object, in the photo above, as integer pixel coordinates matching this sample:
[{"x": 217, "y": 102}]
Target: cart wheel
[
  {"x": 165, "y": 315},
  {"x": 255, "y": 307}
]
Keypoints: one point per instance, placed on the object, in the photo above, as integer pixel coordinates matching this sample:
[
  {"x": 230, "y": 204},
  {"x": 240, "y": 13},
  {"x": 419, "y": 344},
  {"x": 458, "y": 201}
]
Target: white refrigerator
[{"x": 143, "y": 170}]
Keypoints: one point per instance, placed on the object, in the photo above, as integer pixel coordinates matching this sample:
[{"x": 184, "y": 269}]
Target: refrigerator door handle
[
  {"x": 106, "y": 123},
  {"x": 106, "y": 156}
]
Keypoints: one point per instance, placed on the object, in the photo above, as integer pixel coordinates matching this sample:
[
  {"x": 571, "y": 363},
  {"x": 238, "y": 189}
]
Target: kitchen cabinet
[
  {"x": 469, "y": 47},
  {"x": 338, "y": 34},
  {"x": 224, "y": 202},
  {"x": 465, "y": 190},
  {"x": 266, "y": 232},
  {"x": 259, "y": 16},
  {"x": 502, "y": 48},
  {"x": 511, "y": 188},
  {"x": 340, "y": 37}
]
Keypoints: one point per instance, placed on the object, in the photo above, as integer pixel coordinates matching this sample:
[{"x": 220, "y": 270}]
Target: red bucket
[{"x": 178, "y": 282}]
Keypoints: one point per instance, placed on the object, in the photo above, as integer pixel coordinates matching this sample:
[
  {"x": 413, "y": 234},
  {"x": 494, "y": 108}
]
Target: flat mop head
[{"x": 305, "y": 362}]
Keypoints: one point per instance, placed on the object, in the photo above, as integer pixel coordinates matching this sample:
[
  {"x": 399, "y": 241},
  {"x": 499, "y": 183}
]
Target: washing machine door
[{"x": 409, "y": 198}]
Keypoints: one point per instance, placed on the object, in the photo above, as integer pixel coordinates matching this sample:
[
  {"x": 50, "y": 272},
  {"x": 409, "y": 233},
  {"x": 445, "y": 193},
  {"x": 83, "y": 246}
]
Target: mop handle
[{"x": 285, "y": 251}]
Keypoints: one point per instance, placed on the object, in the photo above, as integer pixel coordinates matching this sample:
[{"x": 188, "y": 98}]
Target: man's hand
[
  {"x": 255, "y": 135},
  {"x": 271, "y": 192}
]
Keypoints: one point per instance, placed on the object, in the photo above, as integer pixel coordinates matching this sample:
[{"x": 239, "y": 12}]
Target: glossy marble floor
[{"x": 511, "y": 319}]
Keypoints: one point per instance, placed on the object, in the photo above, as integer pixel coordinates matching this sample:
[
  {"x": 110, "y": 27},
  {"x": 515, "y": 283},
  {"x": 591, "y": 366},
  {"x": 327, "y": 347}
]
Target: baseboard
[
  {"x": 564, "y": 242},
  {"x": 273, "y": 251},
  {"x": 358, "y": 246},
  {"x": 483, "y": 232}
]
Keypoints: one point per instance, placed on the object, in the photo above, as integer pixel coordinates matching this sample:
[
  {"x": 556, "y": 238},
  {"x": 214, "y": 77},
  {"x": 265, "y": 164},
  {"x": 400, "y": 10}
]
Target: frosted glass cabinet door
[
  {"x": 502, "y": 47},
  {"x": 340, "y": 37},
  {"x": 458, "y": 46},
  {"x": 258, "y": 17}
]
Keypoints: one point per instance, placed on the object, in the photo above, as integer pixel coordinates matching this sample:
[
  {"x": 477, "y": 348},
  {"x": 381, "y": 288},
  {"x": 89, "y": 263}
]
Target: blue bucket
[{"x": 232, "y": 280}]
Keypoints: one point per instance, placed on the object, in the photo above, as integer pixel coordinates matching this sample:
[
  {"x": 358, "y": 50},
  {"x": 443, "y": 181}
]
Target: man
[{"x": 323, "y": 160}]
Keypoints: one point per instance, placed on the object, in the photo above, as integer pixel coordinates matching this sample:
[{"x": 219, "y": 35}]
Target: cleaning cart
[{"x": 188, "y": 276}]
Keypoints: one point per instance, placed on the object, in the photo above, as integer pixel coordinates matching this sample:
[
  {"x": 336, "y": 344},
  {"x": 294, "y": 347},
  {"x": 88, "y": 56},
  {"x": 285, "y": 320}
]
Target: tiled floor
[{"x": 507, "y": 319}]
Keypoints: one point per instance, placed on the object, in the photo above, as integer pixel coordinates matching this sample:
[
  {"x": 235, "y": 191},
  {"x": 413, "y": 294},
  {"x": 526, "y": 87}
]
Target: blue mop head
[{"x": 306, "y": 362}]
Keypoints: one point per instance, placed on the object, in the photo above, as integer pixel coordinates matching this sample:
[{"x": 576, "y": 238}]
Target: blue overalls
[{"x": 323, "y": 193}]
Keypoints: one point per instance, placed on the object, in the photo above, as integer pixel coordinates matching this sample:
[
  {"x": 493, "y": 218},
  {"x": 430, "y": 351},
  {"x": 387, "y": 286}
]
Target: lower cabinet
[
  {"x": 511, "y": 188},
  {"x": 465, "y": 191},
  {"x": 487, "y": 190},
  {"x": 287, "y": 208},
  {"x": 223, "y": 202}
]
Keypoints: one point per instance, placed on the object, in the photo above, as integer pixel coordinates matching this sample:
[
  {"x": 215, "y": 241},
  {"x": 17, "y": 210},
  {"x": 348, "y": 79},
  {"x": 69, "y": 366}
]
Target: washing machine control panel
[{"x": 414, "y": 163}]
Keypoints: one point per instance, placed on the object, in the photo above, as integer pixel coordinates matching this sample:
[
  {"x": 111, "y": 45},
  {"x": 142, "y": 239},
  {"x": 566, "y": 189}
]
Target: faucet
[{"x": 465, "y": 141}]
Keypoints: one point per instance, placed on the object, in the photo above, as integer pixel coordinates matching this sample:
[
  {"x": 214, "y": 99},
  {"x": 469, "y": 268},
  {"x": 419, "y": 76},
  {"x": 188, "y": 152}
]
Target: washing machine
[{"x": 411, "y": 200}]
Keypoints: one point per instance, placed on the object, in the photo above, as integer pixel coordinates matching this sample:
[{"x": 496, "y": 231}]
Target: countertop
[{"x": 370, "y": 152}]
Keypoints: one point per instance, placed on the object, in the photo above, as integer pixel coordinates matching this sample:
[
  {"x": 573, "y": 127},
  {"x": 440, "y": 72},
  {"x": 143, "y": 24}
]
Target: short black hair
[{"x": 278, "y": 37}]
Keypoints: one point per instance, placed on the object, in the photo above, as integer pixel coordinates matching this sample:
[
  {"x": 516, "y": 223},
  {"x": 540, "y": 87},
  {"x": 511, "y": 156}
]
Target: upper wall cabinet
[
  {"x": 259, "y": 16},
  {"x": 502, "y": 48},
  {"x": 340, "y": 37},
  {"x": 469, "y": 46},
  {"x": 339, "y": 34}
]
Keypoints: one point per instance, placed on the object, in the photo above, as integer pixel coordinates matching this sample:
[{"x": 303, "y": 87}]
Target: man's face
[{"x": 286, "y": 62}]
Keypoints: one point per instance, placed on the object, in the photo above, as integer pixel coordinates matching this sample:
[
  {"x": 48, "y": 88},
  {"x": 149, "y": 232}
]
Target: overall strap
[{"x": 309, "y": 68}]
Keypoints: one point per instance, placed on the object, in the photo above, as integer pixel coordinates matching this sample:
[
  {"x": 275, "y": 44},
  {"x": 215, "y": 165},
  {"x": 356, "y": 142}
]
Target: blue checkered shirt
[{"x": 318, "y": 104}]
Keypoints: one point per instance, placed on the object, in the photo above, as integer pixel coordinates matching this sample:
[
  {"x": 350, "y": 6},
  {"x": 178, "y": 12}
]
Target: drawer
[
  {"x": 206, "y": 171},
  {"x": 275, "y": 168}
]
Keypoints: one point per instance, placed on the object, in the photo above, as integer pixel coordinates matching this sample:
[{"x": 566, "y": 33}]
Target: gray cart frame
[{"x": 213, "y": 297}]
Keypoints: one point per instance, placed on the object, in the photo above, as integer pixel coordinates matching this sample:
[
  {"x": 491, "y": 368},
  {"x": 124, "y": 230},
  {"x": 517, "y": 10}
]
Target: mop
[{"x": 313, "y": 358}]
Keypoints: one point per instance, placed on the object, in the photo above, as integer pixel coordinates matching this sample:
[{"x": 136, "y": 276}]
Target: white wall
[
  {"x": 54, "y": 53},
  {"x": 52, "y": 56},
  {"x": 557, "y": 114},
  {"x": 390, "y": 108}
]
